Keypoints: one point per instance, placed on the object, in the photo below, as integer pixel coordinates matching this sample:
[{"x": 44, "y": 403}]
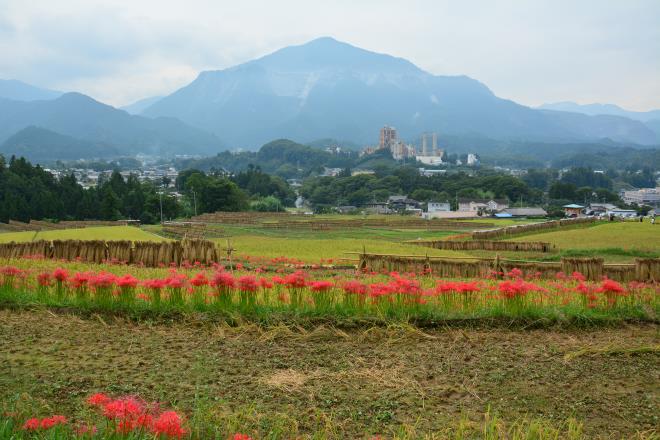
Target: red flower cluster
[
  {"x": 46, "y": 423},
  {"x": 131, "y": 414}
]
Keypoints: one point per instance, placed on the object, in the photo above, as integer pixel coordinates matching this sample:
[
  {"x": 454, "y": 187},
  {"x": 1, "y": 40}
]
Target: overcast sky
[{"x": 530, "y": 51}]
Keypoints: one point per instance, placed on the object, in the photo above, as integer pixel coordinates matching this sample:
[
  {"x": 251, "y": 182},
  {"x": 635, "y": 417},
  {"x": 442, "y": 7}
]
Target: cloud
[{"x": 119, "y": 51}]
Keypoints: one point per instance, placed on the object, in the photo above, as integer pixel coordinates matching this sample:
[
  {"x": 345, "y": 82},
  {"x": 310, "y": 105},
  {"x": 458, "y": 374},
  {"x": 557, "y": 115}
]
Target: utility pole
[
  {"x": 161, "y": 206},
  {"x": 195, "y": 202}
]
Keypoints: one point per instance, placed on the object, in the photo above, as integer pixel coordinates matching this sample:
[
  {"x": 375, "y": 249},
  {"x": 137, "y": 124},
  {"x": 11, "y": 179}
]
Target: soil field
[{"x": 344, "y": 383}]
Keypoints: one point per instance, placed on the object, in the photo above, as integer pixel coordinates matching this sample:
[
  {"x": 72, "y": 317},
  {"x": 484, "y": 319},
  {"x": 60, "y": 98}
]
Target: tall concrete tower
[
  {"x": 435, "y": 143},
  {"x": 425, "y": 146},
  {"x": 387, "y": 136}
]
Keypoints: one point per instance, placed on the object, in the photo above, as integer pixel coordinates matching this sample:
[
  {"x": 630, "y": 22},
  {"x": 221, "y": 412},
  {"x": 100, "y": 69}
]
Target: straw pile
[
  {"x": 199, "y": 250},
  {"x": 647, "y": 269},
  {"x": 17, "y": 250},
  {"x": 541, "y": 268},
  {"x": 591, "y": 268},
  {"x": 119, "y": 251},
  {"x": 486, "y": 245},
  {"x": 620, "y": 272},
  {"x": 532, "y": 227}
]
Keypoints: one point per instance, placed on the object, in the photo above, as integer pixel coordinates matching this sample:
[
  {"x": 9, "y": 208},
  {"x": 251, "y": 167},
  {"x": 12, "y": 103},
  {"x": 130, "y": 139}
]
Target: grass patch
[
  {"x": 609, "y": 254},
  {"x": 314, "y": 249},
  {"x": 94, "y": 233},
  {"x": 624, "y": 235}
]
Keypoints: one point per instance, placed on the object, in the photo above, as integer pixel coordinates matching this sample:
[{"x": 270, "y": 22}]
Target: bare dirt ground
[{"x": 362, "y": 381}]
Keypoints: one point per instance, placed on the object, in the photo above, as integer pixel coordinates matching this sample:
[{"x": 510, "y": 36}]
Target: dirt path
[{"x": 363, "y": 381}]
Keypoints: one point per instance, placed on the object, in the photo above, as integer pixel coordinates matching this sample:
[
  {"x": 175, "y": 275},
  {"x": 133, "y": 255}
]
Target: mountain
[
  {"x": 83, "y": 118},
  {"x": 654, "y": 124},
  {"x": 20, "y": 91},
  {"x": 139, "y": 106},
  {"x": 40, "y": 145},
  {"x": 329, "y": 89},
  {"x": 602, "y": 109}
]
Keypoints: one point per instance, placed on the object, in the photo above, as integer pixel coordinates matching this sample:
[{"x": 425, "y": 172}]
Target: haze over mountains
[
  {"x": 100, "y": 126},
  {"x": 602, "y": 109},
  {"x": 321, "y": 89},
  {"x": 327, "y": 88},
  {"x": 20, "y": 91}
]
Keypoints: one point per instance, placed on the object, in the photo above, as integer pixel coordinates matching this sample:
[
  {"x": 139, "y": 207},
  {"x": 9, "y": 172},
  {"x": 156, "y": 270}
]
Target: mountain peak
[
  {"x": 20, "y": 91},
  {"x": 325, "y": 53}
]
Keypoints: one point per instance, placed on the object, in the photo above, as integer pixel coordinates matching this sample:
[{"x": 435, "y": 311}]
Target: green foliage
[
  {"x": 363, "y": 188},
  {"x": 267, "y": 204},
  {"x": 257, "y": 183},
  {"x": 581, "y": 177},
  {"x": 282, "y": 157},
  {"x": 28, "y": 192},
  {"x": 213, "y": 193}
]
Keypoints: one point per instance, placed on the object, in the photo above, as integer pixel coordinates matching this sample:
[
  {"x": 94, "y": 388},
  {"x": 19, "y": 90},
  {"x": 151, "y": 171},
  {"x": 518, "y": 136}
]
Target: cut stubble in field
[{"x": 370, "y": 380}]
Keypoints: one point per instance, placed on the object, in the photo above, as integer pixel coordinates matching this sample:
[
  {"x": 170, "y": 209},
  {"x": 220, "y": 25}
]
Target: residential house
[
  {"x": 347, "y": 209},
  {"x": 375, "y": 207},
  {"x": 402, "y": 203},
  {"x": 600, "y": 208},
  {"x": 573, "y": 210},
  {"x": 438, "y": 207},
  {"x": 482, "y": 205},
  {"x": 623, "y": 213}
]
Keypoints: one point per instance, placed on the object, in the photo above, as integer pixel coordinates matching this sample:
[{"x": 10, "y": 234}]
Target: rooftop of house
[
  {"x": 484, "y": 201},
  {"x": 526, "y": 212}
]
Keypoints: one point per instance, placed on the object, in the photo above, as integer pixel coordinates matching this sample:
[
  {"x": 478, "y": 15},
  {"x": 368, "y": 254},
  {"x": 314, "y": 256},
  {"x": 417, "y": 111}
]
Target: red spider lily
[
  {"x": 239, "y": 436},
  {"x": 46, "y": 423},
  {"x": 577, "y": 276},
  {"x": 560, "y": 275},
  {"x": 355, "y": 287},
  {"x": 98, "y": 399},
  {"x": 168, "y": 424},
  {"x": 60, "y": 274},
  {"x": 79, "y": 280},
  {"x": 45, "y": 279},
  {"x": 102, "y": 280},
  {"x": 295, "y": 280},
  {"x": 514, "y": 273},
  {"x": 31, "y": 424},
  {"x": 265, "y": 283},
  {"x": 458, "y": 286},
  {"x": 123, "y": 408},
  {"x": 223, "y": 280},
  {"x": 321, "y": 286},
  {"x": 127, "y": 281},
  {"x": 199, "y": 280},
  {"x": 247, "y": 283},
  {"x": 406, "y": 286},
  {"x": 51, "y": 421},
  {"x": 611, "y": 286},
  {"x": 517, "y": 288},
  {"x": 155, "y": 284},
  {"x": 176, "y": 281},
  {"x": 377, "y": 290}
]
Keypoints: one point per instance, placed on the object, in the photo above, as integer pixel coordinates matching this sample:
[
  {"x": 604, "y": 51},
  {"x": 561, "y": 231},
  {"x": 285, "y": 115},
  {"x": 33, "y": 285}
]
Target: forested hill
[{"x": 283, "y": 157}]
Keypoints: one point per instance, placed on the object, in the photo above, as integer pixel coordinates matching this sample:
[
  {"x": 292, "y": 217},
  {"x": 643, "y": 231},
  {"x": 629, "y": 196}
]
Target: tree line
[{"x": 30, "y": 192}]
